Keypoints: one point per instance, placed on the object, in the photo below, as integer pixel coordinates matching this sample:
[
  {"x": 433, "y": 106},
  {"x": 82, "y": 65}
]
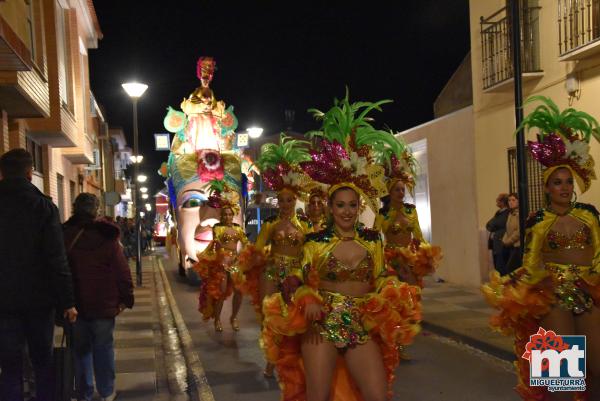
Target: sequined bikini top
[
  {"x": 227, "y": 238},
  {"x": 335, "y": 270},
  {"x": 398, "y": 228},
  {"x": 579, "y": 240},
  {"x": 287, "y": 239}
]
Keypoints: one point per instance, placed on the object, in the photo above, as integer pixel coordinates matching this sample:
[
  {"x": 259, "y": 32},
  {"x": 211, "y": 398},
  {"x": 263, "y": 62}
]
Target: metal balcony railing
[
  {"x": 578, "y": 24},
  {"x": 496, "y": 54}
]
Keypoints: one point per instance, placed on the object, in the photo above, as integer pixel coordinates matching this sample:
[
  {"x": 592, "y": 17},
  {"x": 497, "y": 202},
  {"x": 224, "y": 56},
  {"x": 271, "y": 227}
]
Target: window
[
  {"x": 31, "y": 29},
  {"x": 36, "y": 152},
  {"x": 72, "y": 191},
  {"x": 535, "y": 179},
  {"x": 62, "y": 43}
]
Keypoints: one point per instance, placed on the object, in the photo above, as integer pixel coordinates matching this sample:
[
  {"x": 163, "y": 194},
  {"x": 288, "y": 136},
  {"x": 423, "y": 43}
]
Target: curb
[
  {"x": 193, "y": 365},
  {"x": 486, "y": 347},
  {"x": 175, "y": 370}
]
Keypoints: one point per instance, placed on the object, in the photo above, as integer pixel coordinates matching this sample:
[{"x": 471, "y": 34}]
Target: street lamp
[
  {"x": 254, "y": 132},
  {"x": 143, "y": 190},
  {"x": 142, "y": 178},
  {"x": 135, "y": 90},
  {"x": 137, "y": 159},
  {"x": 144, "y": 196}
]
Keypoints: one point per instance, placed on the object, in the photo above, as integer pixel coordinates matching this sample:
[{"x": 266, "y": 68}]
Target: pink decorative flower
[{"x": 210, "y": 165}]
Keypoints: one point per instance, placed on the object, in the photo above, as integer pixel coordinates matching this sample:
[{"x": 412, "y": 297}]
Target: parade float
[{"x": 203, "y": 149}]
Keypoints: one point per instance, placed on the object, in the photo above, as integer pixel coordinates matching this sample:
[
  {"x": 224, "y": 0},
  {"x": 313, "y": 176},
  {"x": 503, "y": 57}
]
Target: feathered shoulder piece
[
  {"x": 535, "y": 218},
  {"x": 324, "y": 235},
  {"x": 346, "y": 149},
  {"x": 590, "y": 208},
  {"x": 279, "y": 164},
  {"x": 563, "y": 140},
  {"x": 368, "y": 234}
]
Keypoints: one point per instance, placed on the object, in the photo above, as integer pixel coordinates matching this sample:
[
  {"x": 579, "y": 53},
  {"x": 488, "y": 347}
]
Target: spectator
[
  {"x": 497, "y": 227},
  {"x": 511, "y": 238},
  {"x": 103, "y": 289},
  {"x": 35, "y": 278}
]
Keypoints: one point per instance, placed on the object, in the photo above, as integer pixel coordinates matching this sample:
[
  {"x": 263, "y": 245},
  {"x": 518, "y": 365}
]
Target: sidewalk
[
  {"x": 461, "y": 313},
  {"x": 138, "y": 350}
]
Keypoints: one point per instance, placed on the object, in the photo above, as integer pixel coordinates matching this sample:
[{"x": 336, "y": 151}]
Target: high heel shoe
[
  {"x": 234, "y": 324},
  {"x": 218, "y": 326},
  {"x": 268, "y": 372}
]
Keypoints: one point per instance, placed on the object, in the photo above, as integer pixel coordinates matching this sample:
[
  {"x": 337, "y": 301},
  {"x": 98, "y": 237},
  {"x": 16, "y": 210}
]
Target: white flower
[
  {"x": 578, "y": 151},
  {"x": 292, "y": 179},
  {"x": 356, "y": 163}
]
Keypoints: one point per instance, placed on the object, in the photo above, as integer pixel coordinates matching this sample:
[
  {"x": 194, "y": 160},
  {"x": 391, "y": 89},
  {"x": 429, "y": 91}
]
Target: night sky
[{"x": 274, "y": 55}]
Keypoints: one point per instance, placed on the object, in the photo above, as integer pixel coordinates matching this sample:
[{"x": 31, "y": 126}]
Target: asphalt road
[{"x": 440, "y": 369}]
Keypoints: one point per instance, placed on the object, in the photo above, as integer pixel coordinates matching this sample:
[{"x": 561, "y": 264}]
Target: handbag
[{"x": 64, "y": 369}]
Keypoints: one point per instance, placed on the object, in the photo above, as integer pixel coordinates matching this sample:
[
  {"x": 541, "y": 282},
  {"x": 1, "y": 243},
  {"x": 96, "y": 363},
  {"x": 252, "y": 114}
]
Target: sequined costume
[
  {"x": 388, "y": 313},
  {"x": 421, "y": 257},
  {"x": 527, "y": 295},
  {"x": 258, "y": 259},
  {"x": 215, "y": 263}
]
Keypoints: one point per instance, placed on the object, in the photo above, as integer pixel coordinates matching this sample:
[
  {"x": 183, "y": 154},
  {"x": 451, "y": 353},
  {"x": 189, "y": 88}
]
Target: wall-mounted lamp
[{"x": 573, "y": 87}]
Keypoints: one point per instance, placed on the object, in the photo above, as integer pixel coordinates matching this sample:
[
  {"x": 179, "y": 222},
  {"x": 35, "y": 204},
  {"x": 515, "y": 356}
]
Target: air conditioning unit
[{"x": 97, "y": 163}]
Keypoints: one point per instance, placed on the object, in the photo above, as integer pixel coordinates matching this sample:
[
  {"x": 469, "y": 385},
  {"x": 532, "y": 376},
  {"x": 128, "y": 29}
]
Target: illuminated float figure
[
  {"x": 334, "y": 328},
  {"x": 201, "y": 151},
  {"x": 558, "y": 285}
]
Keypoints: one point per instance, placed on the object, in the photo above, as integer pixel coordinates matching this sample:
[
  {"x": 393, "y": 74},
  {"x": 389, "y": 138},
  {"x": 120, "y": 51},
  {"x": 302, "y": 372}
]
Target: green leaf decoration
[
  {"x": 569, "y": 123},
  {"x": 288, "y": 151}
]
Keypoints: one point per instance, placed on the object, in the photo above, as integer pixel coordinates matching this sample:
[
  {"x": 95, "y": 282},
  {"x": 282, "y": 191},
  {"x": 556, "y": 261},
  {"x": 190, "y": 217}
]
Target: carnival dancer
[
  {"x": 315, "y": 209},
  {"x": 276, "y": 251},
  {"x": 334, "y": 329},
  {"x": 219, "y": 261},
  {"x": 558, "y": 286},
  {"x": 406, "y": 251}
]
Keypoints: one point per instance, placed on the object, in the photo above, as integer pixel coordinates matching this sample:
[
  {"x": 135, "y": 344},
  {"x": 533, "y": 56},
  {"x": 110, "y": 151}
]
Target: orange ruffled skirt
[
  {"x": 423, "y": 259},
  {"x": 521, "y": 308},
  {"x": 212, "y": 267},
  {"x": 391, "y": 316}
]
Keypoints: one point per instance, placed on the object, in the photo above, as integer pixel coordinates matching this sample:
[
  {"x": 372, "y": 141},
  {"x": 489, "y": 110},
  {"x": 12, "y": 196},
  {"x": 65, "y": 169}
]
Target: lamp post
[
  {"x": 135, "y": 90},
  {"x": 255, "y": 133}
]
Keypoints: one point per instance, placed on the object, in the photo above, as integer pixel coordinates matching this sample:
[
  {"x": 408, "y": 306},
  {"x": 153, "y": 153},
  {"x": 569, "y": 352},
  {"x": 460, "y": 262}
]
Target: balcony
[
  {"x": 496, "y": 47},
  {"x": 578, "y": 29}
]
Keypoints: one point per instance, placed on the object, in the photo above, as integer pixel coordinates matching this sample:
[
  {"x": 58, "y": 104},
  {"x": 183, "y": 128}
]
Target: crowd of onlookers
[
  {"x": 73, "y": 274},
  {"x": 504, "y": 238},
  {"x": 129, "y": 238}
]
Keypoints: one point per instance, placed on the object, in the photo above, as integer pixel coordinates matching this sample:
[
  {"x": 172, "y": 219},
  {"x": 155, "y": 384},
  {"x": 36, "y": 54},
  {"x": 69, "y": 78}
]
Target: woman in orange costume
[
  {"x": 334, "y": 329},
  {"x": 218, "y": 262},
  {"x": 558, "y": 286},
  {"x": 277, "y": 249}
]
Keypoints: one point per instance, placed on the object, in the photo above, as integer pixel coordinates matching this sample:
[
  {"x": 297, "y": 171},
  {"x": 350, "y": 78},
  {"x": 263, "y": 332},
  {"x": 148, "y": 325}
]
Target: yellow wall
[
  {"x": 452, "y": 199},
  {"x": 494, "y": 111}
]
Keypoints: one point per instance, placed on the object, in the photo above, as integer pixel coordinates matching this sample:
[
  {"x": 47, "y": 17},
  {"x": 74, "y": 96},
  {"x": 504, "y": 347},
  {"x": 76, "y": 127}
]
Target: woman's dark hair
[
  {"x": 514, "y": 195},
  {"x": 86, "y": 205}
]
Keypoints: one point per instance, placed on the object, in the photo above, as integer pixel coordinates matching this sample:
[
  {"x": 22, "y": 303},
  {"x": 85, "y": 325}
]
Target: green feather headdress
[
  {"x": 563, "y": 140},
  {"x": 279, "y": 164},
  {"x": 348, "y": 148}
]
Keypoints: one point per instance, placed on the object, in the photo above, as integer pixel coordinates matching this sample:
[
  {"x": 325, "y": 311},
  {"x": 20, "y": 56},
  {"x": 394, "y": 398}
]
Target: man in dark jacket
[
  {"x": 103, "y": 288},
  {"x": 497, "y": 227},
  {"x": 34, "y": 278}
]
